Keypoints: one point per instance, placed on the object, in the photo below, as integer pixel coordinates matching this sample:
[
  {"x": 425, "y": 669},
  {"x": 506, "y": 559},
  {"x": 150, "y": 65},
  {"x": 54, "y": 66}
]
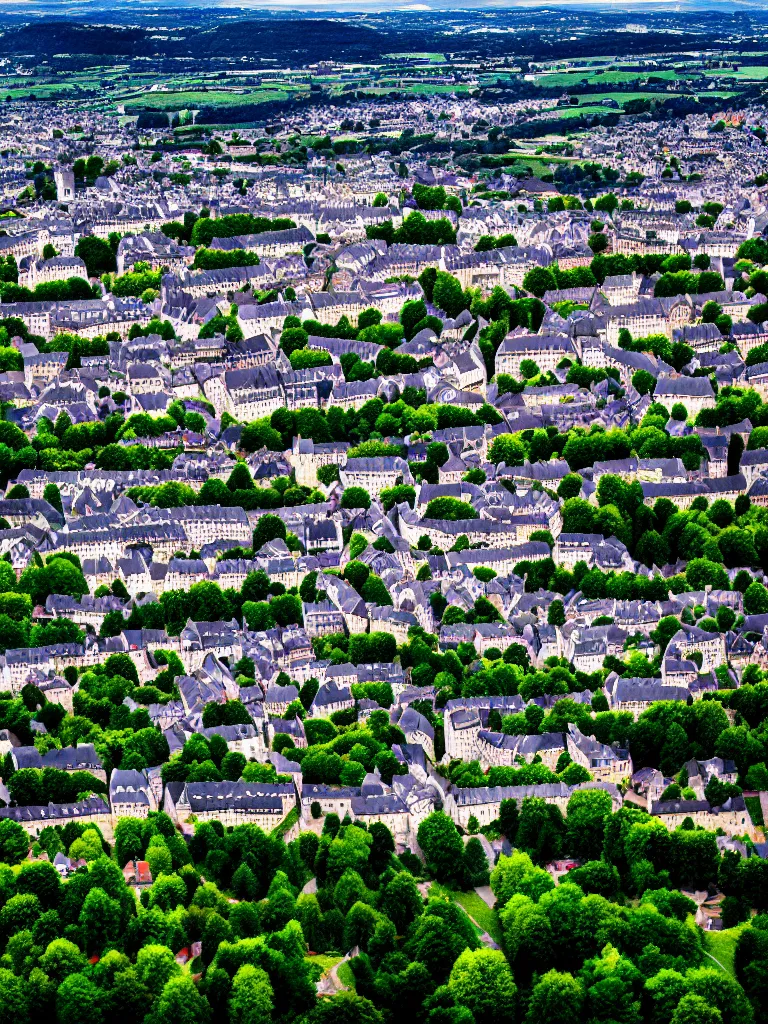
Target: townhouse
[
  {"x": 484, "y": 803},
  {"x": 231, "y": 803},
  {"x": 546, "y": 351},
  {"x": 374, "y": 474}
]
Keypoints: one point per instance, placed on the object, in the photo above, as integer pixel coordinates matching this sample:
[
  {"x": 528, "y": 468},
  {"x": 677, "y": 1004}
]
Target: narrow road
[{"x": 331, "y": 983}]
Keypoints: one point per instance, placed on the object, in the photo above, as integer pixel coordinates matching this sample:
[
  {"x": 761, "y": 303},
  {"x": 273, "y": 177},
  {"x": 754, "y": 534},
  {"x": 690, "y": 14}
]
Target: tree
[
  {"x": 599, "y": 877},
  {"x": 79, "y": 1001},
  {"x": 240, "y": 478},
  {"x": 539, "y": 280},
  {"x": 155, "y": 966},
  {"x": 252, "y": 999},
  {"x": 52, "y": 495},
  {"x": 721, "y": 991},
  {"x": 701, "y": 571},
  {"x": 355, "y": 497},
  {"x": 14, "y": 1005},
  {"x": 26, "y": 787},
  {"x": 258, "y": 615},
  {"x": 507, "y": 448},
  {"x": 268, "y": 528},
  {"x": 585, "y": 819},
  {"x": 181, "y": 1003},
  {"x": 756, "y": 599},
  {"x": 540, "y": 830},
  {"x": 643, "y": 382},
  {"x": 447, "y": 294},
  {"x": 158, "y": 856},
  {"x": 97, "y": 254},
  {"x": 401, "y": 901},
  {"x": 475, "y": 862},
  {"x": 412, "y": 313},
  {"x": 556, "y": 614},
  {"x": 100, "y": 920},
  {"x": 508, "y": 818},
  {"x": 450, "y": 509},
  {"x": 61, "y": 959},
  {"x": 607, "y": 203},
  {"x": 663, "y": 992},
  {"x": 14, "y": 842},
  {"x": 41, "y": 879},
  {"x": 345, "y": 1008},
  {"x": 557, "y": 999},
  {"x": 692, "y": 1009},
  {"x": 652, "y": 548},
  {"x": 232, "y": 765},
  {"x": 439, "y": 936},
  {"x": 570, "y": 486},
  {"x": 737, "y": 547},
  {"x": 482, "y": 981},
  {"x": 442, "y": 847}
]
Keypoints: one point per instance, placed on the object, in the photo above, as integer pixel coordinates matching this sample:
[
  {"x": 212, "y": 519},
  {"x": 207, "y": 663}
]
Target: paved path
[
  {"x": 485, "y": 892},
  {"x": 331, "y": 983}
]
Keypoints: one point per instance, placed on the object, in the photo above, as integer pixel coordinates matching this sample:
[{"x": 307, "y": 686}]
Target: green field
[
  {"x": 754, "y": 74},
  {"x": 324, "y": 960},
  {"x": 416, "y": 89},
  {"x": 564, "y": 79},
  {"x": 523, "y": 155},
  {"x": 433, "y": 58},
  {"x": 195, "y": 99},
  {"x": 537, "y": 165},
  {"x": 722, "y": 946},
  {"x": 564, "y": 113},
  {"x": 481, "y": 913},
  {"x": 345, "y": 975}
]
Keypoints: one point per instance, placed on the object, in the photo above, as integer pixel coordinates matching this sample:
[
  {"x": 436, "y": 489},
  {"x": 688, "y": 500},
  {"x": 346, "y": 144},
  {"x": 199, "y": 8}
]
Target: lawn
[
  {"x": 345, "y": 975},
  {"x": 755, "y": 810},
  {"x": 722, "y": 946},
  {"x": 477, "y": 910},
  {"x": 481, "y": 913},
  {"x": 324, "y": 960}
]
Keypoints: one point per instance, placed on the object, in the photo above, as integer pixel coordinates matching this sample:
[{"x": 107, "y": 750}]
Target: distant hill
[
  {"x": 302, "y": 41},
  {"x": 47, "y": 38},
  {"x": 310, "y": 39},
  {"x": 292, "y": 39}
]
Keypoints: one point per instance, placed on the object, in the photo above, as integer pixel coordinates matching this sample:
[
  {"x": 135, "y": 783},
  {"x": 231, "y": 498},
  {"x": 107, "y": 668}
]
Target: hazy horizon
[{"x": 149, "y": 8}]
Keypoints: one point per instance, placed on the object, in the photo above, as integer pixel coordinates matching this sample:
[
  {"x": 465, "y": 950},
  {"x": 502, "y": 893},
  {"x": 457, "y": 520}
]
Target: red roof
[{"x": 143, "y": 872}]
